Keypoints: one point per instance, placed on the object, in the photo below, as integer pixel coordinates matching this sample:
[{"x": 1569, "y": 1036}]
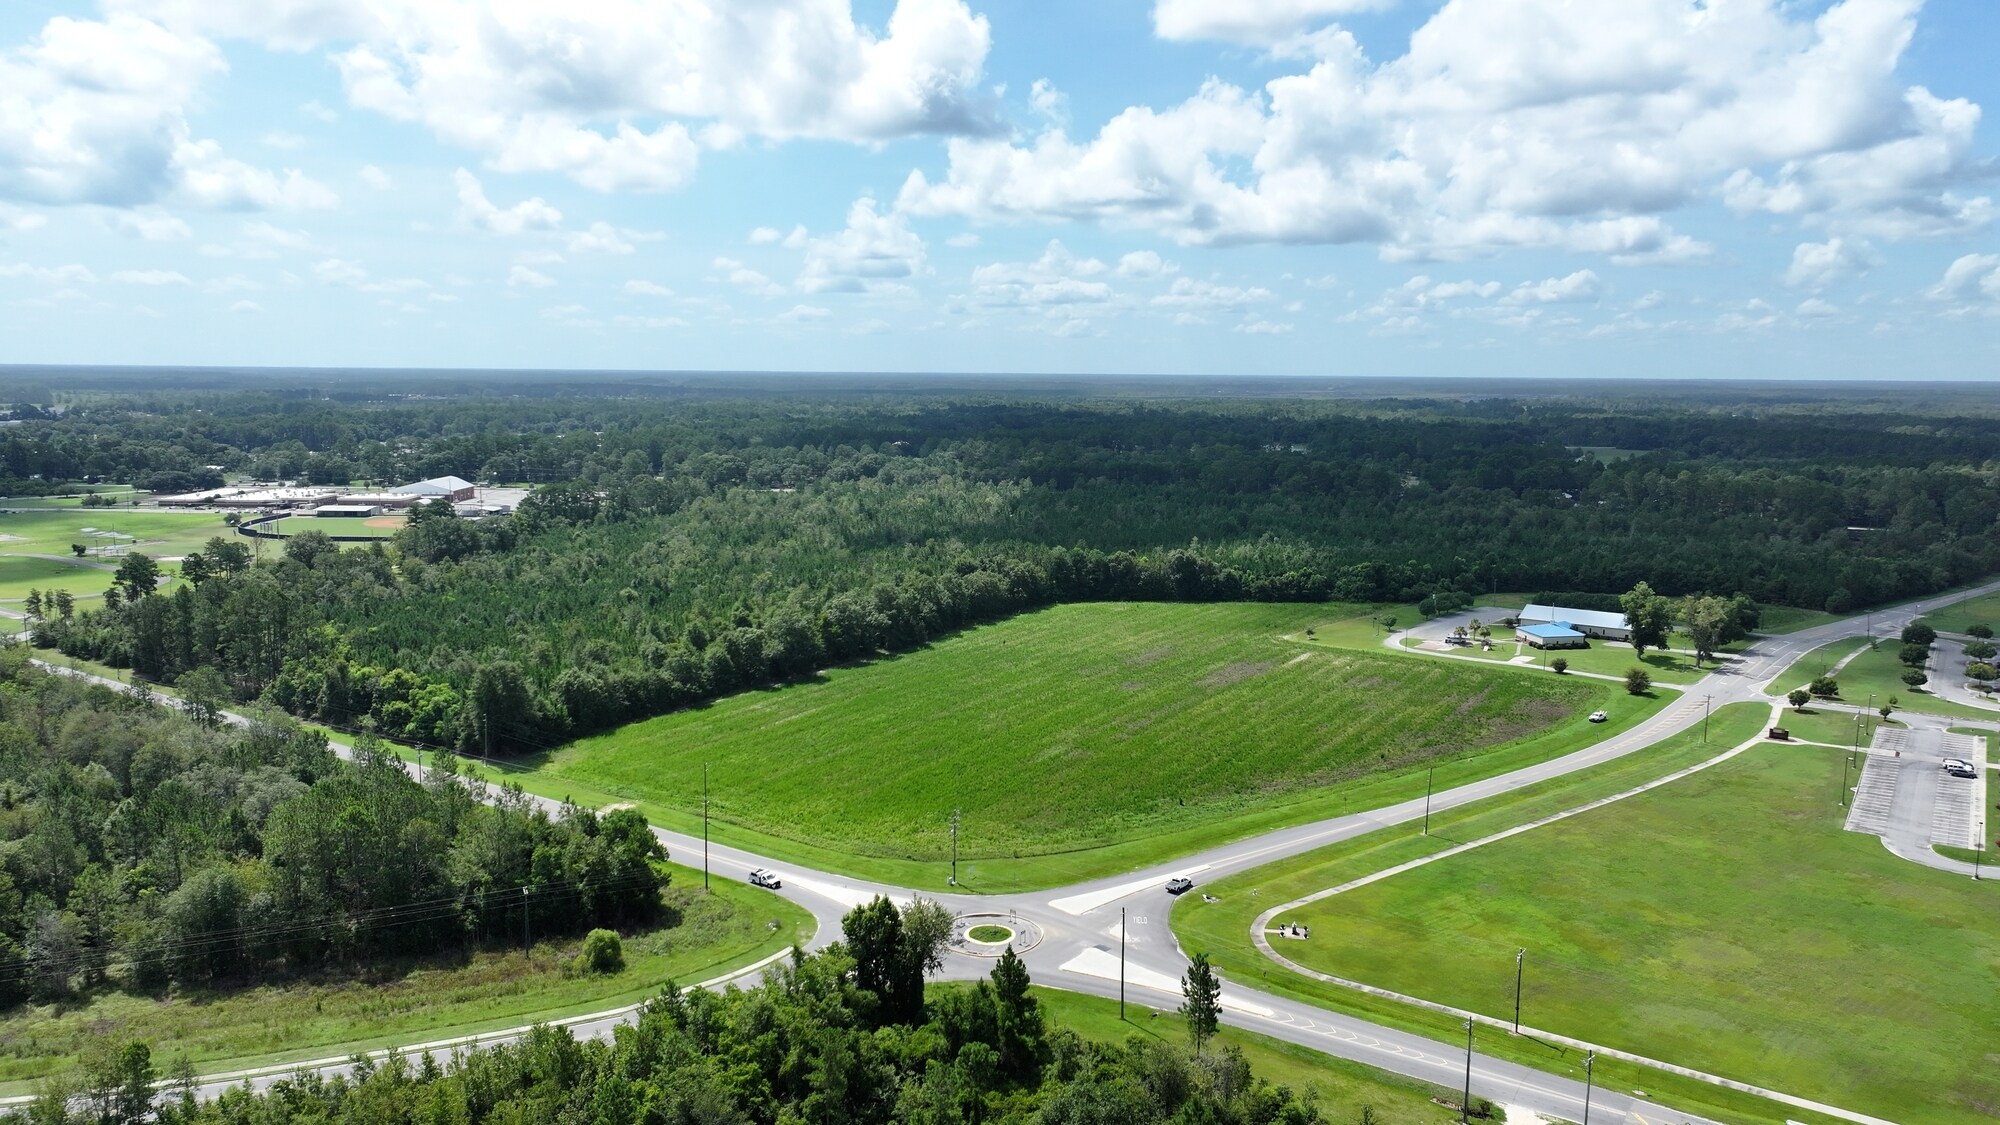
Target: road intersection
[{"x": 1079, "y": 926}]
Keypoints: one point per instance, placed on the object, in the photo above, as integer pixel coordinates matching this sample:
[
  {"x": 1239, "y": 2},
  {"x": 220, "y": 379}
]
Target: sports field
[
  {"x": 1085, "y": 738},
  {"x": 22, "y": 573},
  {"x": 159, "y": 534},
  {"x": 1724, "y": 922},
  {"x": 378, "y": 527}
]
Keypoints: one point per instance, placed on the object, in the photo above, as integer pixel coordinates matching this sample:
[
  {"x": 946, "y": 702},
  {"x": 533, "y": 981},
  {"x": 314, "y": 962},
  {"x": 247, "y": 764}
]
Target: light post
[
  {"x": 1979, "y": 852},
  {"x": 1121, "y": 963},
  {"x": 953, "y": 881},
  {"x": 1589, "y": 1060},
  {"x": 1706, "y": 700},
  {"x": 1429, "y": 778},
  {"x": 1520, "y": 957},
  {"x": 704, "y": 826},
  {"x": 1465, "y": 1104},
  {"x": 1845, "y": 770}
]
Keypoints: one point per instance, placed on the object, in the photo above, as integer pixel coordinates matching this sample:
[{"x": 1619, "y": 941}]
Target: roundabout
[{"x": 986, "y": 935}]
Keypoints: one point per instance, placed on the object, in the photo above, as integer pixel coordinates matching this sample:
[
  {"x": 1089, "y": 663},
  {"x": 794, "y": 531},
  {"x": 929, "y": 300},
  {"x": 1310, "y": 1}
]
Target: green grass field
[
  {"x": 22, "y": 573},
  {"x": 1875, "y": 675},
  {"x": 159, "y": 534},
  {"x": 1835, "y": 728},
  {"x": 348, "y": 528},
  {"x": 1222, "y": 927},
  {"x": 1665, "y": 667},
  {"x": 1957, "y": 618},
  {"x": 1726, "y": 923},
  {"x": 1343, "y": 1087},
  {"x": 1778, "y": 619},
  {"x": 486, "y": 991},
  {"x": 1080, "y": 740}
]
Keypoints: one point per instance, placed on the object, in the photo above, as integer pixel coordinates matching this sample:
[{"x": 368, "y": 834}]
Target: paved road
[{"x": 1080, "y": 924}]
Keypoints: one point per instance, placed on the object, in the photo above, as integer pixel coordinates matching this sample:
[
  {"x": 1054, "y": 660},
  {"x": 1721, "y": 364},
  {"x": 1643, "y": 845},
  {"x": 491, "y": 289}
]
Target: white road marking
[
  {"x": 1104, "y": 966},
  {"x": 1085, "y": 903}
]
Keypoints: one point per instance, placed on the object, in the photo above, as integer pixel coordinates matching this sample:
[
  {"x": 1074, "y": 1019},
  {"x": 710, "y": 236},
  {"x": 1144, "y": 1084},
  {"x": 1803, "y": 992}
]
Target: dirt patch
[
  {"x": 1131, "y": 685},
  {"x": 13, "y": 539},
  {"x": 383, "y": 521},
  {"x": 1150, "y": 656},
  {"x": 1234, "y": 673}
]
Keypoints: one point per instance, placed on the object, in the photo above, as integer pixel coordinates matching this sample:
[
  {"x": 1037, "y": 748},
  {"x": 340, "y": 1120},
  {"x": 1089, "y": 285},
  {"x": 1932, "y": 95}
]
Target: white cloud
[
  {"x": 965, "y": 240},
  {"x": 375, "y": 177},
  {"x": 20, "y": 218},
  {"x": 1189, "y": 293},
  {"x": 319, "y": 113},
  {"x": 149, "y": 224},
  {"x": 1812, "y": 308},
  {"x": 1820, "y": 265},
  {"x": 150, "y": 277},
  {"x": 209, "y": 178},
  {"x": 874, "y": 250},
  {"x": 474, "y": 208},
  {"x": 280, "y": 139},
  {"x": 339, "y": 271},
  {"x": 1049, "y": 101},
  {"x": 73, "y": 274},
  {"x": 246, "y": 307},
  {"x": 1971, "y": 280},
  {"x": 1145, "y": 264},
  {"x": 1056, "y": 279},
  {"x": 555, "y": 85},
  {"x": 1581, "y": 286},
  {"x": 272, "y": 235},
  {"x": 798, "y": 313},
  {"x": 521, "y": 277},
  {"x": 765, "y": 236},
  {"x": 637, "y": 288},
  {"x": 603, "y": 238},
  {"x": 1256, "y": 22},
  {"x": 1531, "y": 123},
  {"x": 749, "y": 280},
  {"x": 1261, "y": 327}
]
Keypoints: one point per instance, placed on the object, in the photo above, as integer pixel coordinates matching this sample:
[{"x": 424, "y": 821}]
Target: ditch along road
[{"x": 1069, "y": 936}]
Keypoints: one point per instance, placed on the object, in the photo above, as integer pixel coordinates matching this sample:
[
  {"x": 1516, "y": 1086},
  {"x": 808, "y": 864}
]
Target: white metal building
[{"x": 1589, "y": 622}]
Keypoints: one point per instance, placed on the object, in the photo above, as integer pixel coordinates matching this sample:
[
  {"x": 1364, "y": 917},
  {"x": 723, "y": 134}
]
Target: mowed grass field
[
  {"x": 159, "y": 534},
  {"x": 224, "y": 1029},
  {"x": 1724, "y": 922},
  {"x": 22, "y": 573},
  {"x": 1094, "y": 737},
  {"x": 1958, "y": 618},
  {"x": 1873, "y": 675}
]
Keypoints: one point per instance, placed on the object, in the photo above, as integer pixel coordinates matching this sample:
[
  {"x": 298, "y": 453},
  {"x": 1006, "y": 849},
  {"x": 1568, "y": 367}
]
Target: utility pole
[
  {"x": 526, "y": 945},
  {"x": 1979, "y": 852},
  {"x": 1121, "y": 963},
  {"x": 1520, "y": 956},
  {"x": 1705, "y": 701},
  {"x": 1589, "y": 1061},
  {"x": 704, "y": 826},
  {"x": 953, "y": 881},
  {"x": 1428, "y": 779},
  {"x": 1465, "y": 1105}
]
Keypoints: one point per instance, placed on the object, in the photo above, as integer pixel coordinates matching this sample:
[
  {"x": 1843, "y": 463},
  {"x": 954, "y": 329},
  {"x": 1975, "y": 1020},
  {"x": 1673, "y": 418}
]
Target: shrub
[
  {"x": 602, "y": 953},
  {"x": 1980, "y": 670},
  {"x": 1798, "y": 698},
  {"x": 1918, "y": 633},
  {"x": 1560, "y": 664},
  {"x": 1983, "y": 631},
  {"x": 1638, "y": 681},
  {"x": 1980, "y": 650},
  {"x": 1826, "y": 687},
  {"x": 1914, "y": 654},
  {"x": 1915, "y": 678}
]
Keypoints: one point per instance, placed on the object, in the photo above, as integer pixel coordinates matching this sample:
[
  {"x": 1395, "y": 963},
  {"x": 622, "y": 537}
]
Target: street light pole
[
  {"x": 953, "y": 881},
  {"x": 1520, "y": 956},
  {"x": 1429, "y": 778},
  {"x": 1589, "y": 1061},
  {"x": 1979, "y": 852},
  {"x": 1465, "y": 1105},
  {"x": 1705, "y": 701},
  {"x": 1121, "y": 962}
]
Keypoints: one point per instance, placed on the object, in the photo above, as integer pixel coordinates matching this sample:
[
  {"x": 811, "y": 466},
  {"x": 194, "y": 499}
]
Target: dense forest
[
  {"x": 682, "y": 546},
  {"x": 822, "y": 1040},
  {"x": 141, "y": 847}
]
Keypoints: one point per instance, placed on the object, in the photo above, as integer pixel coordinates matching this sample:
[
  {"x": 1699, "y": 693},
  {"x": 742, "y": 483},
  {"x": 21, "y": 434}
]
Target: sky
[{"x": 1597, "y": 189}]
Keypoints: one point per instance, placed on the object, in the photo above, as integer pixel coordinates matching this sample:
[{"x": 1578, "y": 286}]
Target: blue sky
[{"x": 1622, "y": 190}]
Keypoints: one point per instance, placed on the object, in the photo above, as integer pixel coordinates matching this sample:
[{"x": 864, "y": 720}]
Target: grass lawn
[
  {"x": 423, "y": 1001},
  {"x": 1222, "y": 928},
  {"x": 1343, "y": 1086},
  {"x": 21, "y": 573},
  {"x": 1967, "y": 855},
  {"x": 1079, "y": 741},
  {"x": 1956, "y": 618},
  {"x": 1877, "y": 673},
  {"x": 1725, "y": 923},
  {"x": 159, "y": 534},
  {"x": 348, "y": 528},
  {"x": 1836, "y": 728},
  {"x": 1778, "y": 619}
]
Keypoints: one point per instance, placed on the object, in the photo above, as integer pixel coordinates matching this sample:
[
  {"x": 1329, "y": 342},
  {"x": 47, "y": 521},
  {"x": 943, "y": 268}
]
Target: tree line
[
  {"x": 145, "y": 846},
  {"x": 845, "y": 1036}
]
